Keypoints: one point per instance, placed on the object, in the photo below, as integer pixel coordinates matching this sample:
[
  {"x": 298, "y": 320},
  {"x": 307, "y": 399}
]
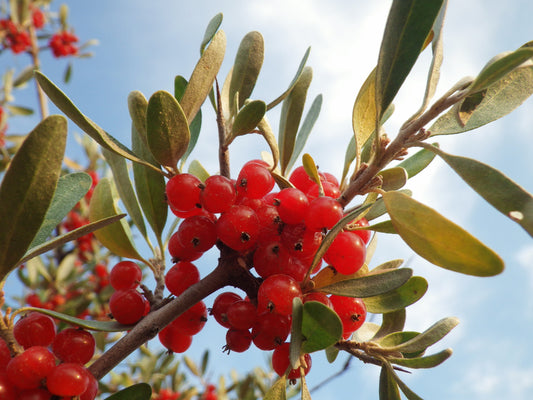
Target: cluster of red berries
[
  {"x": 167, "y": 394},
  {"x": 51, "y": 364},
  {"x": 280, "y": 232},
  {"x": 14, "y": 37},
  {"x": 63, "y": 44}
]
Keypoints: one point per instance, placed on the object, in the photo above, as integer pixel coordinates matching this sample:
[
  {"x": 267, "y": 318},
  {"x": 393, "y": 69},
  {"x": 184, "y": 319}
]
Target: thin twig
[{"x": 223, "y": 154}]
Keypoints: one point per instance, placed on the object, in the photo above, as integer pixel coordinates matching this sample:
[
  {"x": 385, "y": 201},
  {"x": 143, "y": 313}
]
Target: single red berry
[
  {"x": 180, "y": 252},
  {"x": 74, "y": 345},
  {"x": 218, "y": 194},
  {"x": 193, "y": 320},
  {"x": 280, "y": 362},
  {"x": 125, "y": 275},
  {"x": 296, "y": 268},
  {"x": 351, "y": 311},
  {"x": 300, "y": 179},
  {"x": 92, "y": 388},
  {"x": 276, "y": 294},
  {"x": 68, "y": 379},
  {"x": 301, "y": 242},
  {"x": 183, "y": 192},
  {"x": 346, "y": 253},
  {"x": 270, "y": 222},
  {"x": 220, "y": 307},
  {"x": 127, "y": 306},
  {"x": 182, "y": 275},
  {"x": 254, "y": 181},
  {"x": 238, "y": 228},
  {"x": 318, "y": 296},
  {"x": 197, "y": 234},
  {"x": 174, "y": 340},
  {"x": 28, "y": 369},
  {"x": 35, "y": 329},
  {"x": 241, "y": 314},
  {"x": 322, "y": 213},
  {"x": 37, "y": 17},
  {"x": 270, "y": 258},
  {"x": 270, "y": 330},
  {"x": 238, "y": 340},
  {"x": 330, "y": 190},
  {"x": 292, "y": 205},
  {"x": 363, "y": 234}
]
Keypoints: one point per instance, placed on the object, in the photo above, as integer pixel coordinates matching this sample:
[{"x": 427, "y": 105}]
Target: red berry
[
  {"x": 35, "y": 329},
  {"x": 180, "y": 252},
  {"x": 182, "y": 275},
  {"x": 33, "y": 394},
  {"x": 125, "y": 275},
  {"x": 254, "y": 181},
  {"x": 7, "y": 390},
  {"x": 292, "y": 205},
  {"x": 347, "y": 253},
  {"x": 218, "y": 194},
  {"x": 238, "y": 228},
  {"x": 322, "y": 213},
  {"x": 280, "y": 362},
  {"x": 197, "y": 234},
  {"x": 92, "y": 389},
  {"x": 300, "y": 179},
  {"x": 62, "y": 44},
  {"x": 183, "y": 192},
  {"x": 330, "y": 190},
  {"x": 276, "y": 294},
  {"x": 27, "y": 369},
  {"x": 74, "y": 345},
  {"x": 318, "y": 296},
  {"x": 127, "y": 306},
  {"x": 68, "y": 379},
  {"x": 270, "y": 258},
  {"x": 351, "y": 311},
  {"x": 238, "y": 340},
  {"x": 5, "y": 355},
  {"x": 363, "y": 234},
  {"x": 270, "y": 330},
  {"x": 174, "y": 340},
  {"x": 193, "y": 320},
  {"x": 220, "y": 307},
  {"x": 241, "y": 314}
]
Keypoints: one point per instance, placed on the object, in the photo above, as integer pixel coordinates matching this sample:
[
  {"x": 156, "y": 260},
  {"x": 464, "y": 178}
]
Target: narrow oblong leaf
[
  {"x": 321, "y": 327},
  {"x": 248, "y": 118},
  {"x": 370, "y": 285},
  {"x": 278, "y": 391},
  {"x": 167, "y": 129},
  {"x": 70, "y": 190},
  {"x": 439, "y": 240},
  {"x": 423, "y": 362},
  {"x": 502, "y": 193},
  {"x": 291, "y": 114},
  {"x": 397, "y": 299},
  {"x": 246, "y": 68},
  {"x": 468, "y": 106},
  {"x": 101, "y": 137},
  {"x": 139, "y": 391},
  {"x": 137, "y": 105},
  {"x": 197, "y": 169},
  {"x": 500, "y": 99},
  {"x": 408, "y": 25},
  {"x": 427, "y": 338},
  {"x": 117, "y": 236},
  {"x": 210, "y": 30},
  {"x": 364, "y": 115},
  {"x": 388, "y": 388},
  {"x": 295, "y": 348},
  {"x": 266, "y": 131},
  {"x": 28, "y": 188},
  {"x": 203, "y": 76},
  {"x": 125, "y": 188},
  {"x": 393, "y": 321},
  {"x": 378, "y": 208},
  {"x": 417, "y": 162},
  {"x": 383, "y": 227}
]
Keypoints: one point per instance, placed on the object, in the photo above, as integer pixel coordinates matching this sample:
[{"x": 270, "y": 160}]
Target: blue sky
[{"x": 143, "y": 45}]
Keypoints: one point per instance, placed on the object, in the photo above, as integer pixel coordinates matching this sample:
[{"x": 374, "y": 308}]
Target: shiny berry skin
[
  {"x": 292, "y": 205},
  {"x": 68, "y": 379},
  {"x": 330, "y": 190},
  {"x": 220, "y": 307},
  {"x": 197, "y": 233},
  {"x": 280, "y": 362},
  {"x": 318, "y": 296},
  {"x": 35, "y": 329},
  {"x": 238, "y": 340},
  {"x": 322, "y": 213},
  {"x": 276, "y": 294},
  {"x": 241, "y": 314},
  {"x": 125, "y": 275},
  {"x": 270, "y": 258},
  {"x": 182, "y": 275},
  {"x": 92, "y": 389},
  {"x": 74, "y": 345},
  {"x": 27, "y": 369},
  {"x": 218, "y": 194},
  {"x": 193, "y": 320},
  {"x": 183, "y": 192},
  {"x": 7, "y": 390},
  {"x": 174, "y": 340},
  {"x": 363, "y": 234},
  {"x": 179, "y": 252},
  {"x": 254, "y": 181},
  {"x": 238, "y": 228},
  {"x": 347, "y": 253},
  {"x": 300, "y": 179},
  {"x": 270, "y": 330},
  {"x": 127, "y": 306},
  {"x": 351, "y": 311}
]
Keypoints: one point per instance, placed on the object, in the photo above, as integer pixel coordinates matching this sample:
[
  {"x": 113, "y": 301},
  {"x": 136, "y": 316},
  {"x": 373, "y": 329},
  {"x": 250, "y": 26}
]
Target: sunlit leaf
[
  {"x": 167, "y": 129},
  {"x": 248, "y": 118},
  {"x": 408, "y": 25},
  {"x": 137, "y": 105},
  {"x": 399, "y": 298},
  {"x": 278, "y": 391},
  {"x": 378, "y": 208},
  {"x": 311, "y": 169},
  {"x": 427, "y": 338},
  {"x": 423, "y": 362},
  {"x": 393, "y": 178},
  {"x": 498, "y": 190},
  {"x": 370, "y": 285},
  {"x": 197, "y": 169},
  {"x": 365, "y": 332},
  {"x": 98, "y": 134},
  {"x": 70, "y": 189},
  {"x": 500, "y": 99},
  {"x": 139, "y": 391},
  {"x": 28, "y": 188},
  {"x": 389, "y": 265},
  {"x": 364, "y": 113},
  {"x": 203, "y": 76},
  {"x": 116, "y": 237},
  {"x": 383, "y": 227},
  {"x": 397, "y": 338},
  {"x": 291, "y": 114},
  {"x": 266, "y": 131},
  {"x": 468, "y": 107},
  {"x": 246, "y": 68},
  {"x": 321, "y": 327},
  {"x": 212, "y": 28},
  {"x": 439, "y": 240}
]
